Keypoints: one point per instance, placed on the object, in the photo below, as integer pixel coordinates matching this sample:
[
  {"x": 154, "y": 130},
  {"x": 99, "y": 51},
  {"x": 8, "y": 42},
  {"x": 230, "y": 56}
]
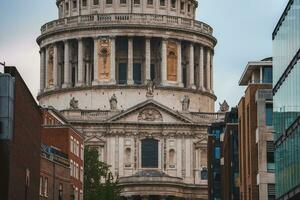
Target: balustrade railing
[{"x": 144, "y": 19}]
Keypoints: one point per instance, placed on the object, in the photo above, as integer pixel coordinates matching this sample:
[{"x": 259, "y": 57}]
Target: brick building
[
  {"x": 58, "y": 133},
  {"x": 55, "y": 181},
  {"x": 256, "y": 148},
  {"x": 230, "y": 158},
  {"x": 20, "y": 141}
]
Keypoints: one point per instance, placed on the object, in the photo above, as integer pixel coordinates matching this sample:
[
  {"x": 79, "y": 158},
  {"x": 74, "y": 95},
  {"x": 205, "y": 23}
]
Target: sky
[{"x": 243, "y": 29}]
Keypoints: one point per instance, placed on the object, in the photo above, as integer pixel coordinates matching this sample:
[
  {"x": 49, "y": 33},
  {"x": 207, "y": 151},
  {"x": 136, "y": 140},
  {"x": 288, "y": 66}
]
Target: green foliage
[{"x": 99, "y": 183}]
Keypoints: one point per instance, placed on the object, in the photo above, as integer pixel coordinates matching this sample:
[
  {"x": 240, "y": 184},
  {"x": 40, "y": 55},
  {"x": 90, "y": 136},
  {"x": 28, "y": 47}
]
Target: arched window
[
  {"x": 149, "y": 153},
  {"x": 172, "y": 158},
  {"x": 127, "y": 157}
]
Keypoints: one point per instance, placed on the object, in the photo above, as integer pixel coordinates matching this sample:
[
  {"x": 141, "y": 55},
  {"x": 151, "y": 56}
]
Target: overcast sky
[{"x": 243, "y": 29}]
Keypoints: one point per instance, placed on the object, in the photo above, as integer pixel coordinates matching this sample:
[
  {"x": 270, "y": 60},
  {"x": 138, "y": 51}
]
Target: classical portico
[{"x": 136, "y": 77}]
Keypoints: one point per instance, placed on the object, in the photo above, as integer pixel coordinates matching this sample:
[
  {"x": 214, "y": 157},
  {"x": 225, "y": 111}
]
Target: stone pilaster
[
  {"x": 208, "y": 70},
  {"x": 201, "y": 69},
  {"x": 191, "y": 67},
  {"x": 130, "y": 62},
  {"x": 46, "y": 67},
  {"x": 163, "y": 61},
  {"x": 55, "y": 66},
  {"x": 113, "y": 60},
  {"x": 66, "y": 64},
  {"x": 148, "y": 59},
  {"x": 96, "y": 78},
  {"x": 42, "y": 70},
  {"x": 80, "y": 63},
  {"x": 179, "y": 64},
  {"x": 212, "y": 73}
]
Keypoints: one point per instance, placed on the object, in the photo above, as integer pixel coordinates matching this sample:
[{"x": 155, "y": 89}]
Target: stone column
[
  {"x": 130, "y": 62},
  {"x": 113, "y": 60},
  {"x": 212, "y": 72},
  {"x": 80, "y": 63},
  {"x": 148, "y": 59},
  {"x": 42, "y": 70},
  {"x": 208, "y": 70},
  {"x": 261, "y": 75},
  {"x": 179, "y": 65},
  {"x": 163, "y": 62},
  {"x": 46, "y": 67},
  {"x": 55, "y": 66},
  {"x": 96, "y": 78},
  {"x": 201, "y": 69},
  {"x": 191, "y": 67},
  {"x": 66, "y": 65}
]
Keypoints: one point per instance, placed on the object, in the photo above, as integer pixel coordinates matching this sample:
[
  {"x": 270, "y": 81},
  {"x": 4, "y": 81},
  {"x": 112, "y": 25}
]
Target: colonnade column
[
  {"x": 179, "y": 65},
  {"x": 148, "y": 59},
  {"x": 130, "y": 62},
  {"x": 80, "y": 63},
  {"x": 46, "y": 67},
  {"x": 95, "y": 81},
  {"x": 163, "y": 61},
  {"x": 208, "y": 65},
  {"x": 42, "y": 70},
  {"x": 113, "y": 60},
  {"x": 201, "y": 69},
  {"x": 55, "y": 66},
  {"x": 191, "y": 68},
  {"x": 66, "y": 64},
  {"x": 212, "y": 72}
]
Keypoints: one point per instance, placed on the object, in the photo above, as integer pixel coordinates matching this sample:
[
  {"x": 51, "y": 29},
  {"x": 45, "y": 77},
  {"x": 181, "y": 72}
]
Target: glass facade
[{"x": 286, "y": 46}]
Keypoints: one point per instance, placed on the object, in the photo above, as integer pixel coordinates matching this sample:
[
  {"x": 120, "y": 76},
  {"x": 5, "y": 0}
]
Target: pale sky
[{"x": 243, "y": 29}]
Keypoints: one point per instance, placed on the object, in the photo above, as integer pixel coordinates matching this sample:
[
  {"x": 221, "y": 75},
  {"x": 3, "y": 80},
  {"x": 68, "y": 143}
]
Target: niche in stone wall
[
  {"x": 127, "y": 157},
  {"x": 172, "y": 61},
  {"x": 172, "y": 160},
  {"x": 50, "y": 66},
  {"x": 104, "y": 58}
]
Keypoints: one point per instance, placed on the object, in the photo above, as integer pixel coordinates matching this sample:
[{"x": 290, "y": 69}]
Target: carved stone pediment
[{"x": 150, "y": 114}]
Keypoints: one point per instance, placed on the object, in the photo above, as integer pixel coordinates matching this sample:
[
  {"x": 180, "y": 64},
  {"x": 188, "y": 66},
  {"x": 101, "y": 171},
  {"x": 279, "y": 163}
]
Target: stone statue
[
  {"x": 74, "y": 103},
  {"x": 185, "y": 101},
  {"x": 224, "y": 107},
  {"x": 113, "y": 102},
  {"x": 150, "y": 88}
]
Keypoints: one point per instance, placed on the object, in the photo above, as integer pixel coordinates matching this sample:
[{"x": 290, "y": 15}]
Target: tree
[{"x": 99, "y": 183}]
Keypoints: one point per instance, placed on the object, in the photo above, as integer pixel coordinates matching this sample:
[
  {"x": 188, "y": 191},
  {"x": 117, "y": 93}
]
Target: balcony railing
[{"x": 127, "y": 19}]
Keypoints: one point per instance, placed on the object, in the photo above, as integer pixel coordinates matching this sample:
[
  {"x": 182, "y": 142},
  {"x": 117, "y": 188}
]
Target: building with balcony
[
  {"x": 136, "y": 77},
  {"x": 286, "y": 54},
  {"x": 256, "y": 146}
]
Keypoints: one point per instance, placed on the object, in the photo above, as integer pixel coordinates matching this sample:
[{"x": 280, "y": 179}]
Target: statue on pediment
[
  {"x": 224, "y": 107},
  {"x": 185, "y": 101},
  {"x": 113, "y": 102},
  {"x": 74, "y": 104},
  {"x": 150, "y": 88}
]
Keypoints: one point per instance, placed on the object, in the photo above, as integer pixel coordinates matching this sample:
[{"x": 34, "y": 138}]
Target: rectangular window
[
  {"x": 108, "y": 1},
  {"x": 217, "y": 153},
  {"x": 182, "y": 5},
  {"x": 123, "y": 2},
  {"x": 60, "y": 191},
  {"x": 173, "y": 3},
  {"x": 96, "y": 2},
  {"x": 269, "y": 114},
  {"x": 270, "y": 156},
  {"x": 267, "y": 75},
  {"x": 84, "y": 3},
  {"x": 162, "y": 2},
  {"x": 137, "y": 73},
  {"x": 41, "y": 186},
  {"x": 150, "y": 2},
  {"x": 271, "y": 191},
  {"x": 137, "y": 2},
  {"x": 74, "y": 4},
  {"x": 67, "y": 6},
  {"x": 46, "y": 187}
]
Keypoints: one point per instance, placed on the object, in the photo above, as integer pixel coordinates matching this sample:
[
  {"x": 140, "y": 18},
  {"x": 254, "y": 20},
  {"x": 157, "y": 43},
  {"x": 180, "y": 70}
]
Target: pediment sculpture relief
[{"x": 150, "y": 114}]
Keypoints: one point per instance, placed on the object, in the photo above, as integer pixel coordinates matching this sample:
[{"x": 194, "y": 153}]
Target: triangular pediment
[
  {"x": 94, "y": 139},
  {"x": 150, "y": 111}
]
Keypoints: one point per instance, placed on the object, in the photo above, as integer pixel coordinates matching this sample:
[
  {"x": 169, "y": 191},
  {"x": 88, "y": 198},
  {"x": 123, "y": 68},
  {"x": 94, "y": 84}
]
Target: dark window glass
[
  {"x": 84, "y": 3},
  {"x": 108, "y": 1},
  {"x": 152, "y": 72},
  {"x": 269, "y": 114},
  {"x": 123, "y": 1},
  {"x": 74, "y": 4},
  {"x": 122, "y": 73},
  {"x": 150, "y": 2},
  {"x": 173, "y": 3},
  {"x": 149, "y": 153},
  {"x": 137, "y": 73},
  {"x": 204, "y": 174},
  {"x": 270, "y": 156},
  {"x": 137, "y": 2},
  {"x": 162, "y": 2},
  {"x": 217, "y": 152},
  {"x": 267, "y": 75},
  {"x": 182, "y": 5},
  {"x": 96, "y": 2}
]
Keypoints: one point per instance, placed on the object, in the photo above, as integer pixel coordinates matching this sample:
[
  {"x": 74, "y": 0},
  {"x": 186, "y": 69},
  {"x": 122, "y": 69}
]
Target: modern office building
[
  {"x": 286, "y": 55},
  {"x": 136, "y": 77},
  {"x": 55, "y": 178},
  {"x": 214, "y": 160},
  {"x": 20, "y": 141},
  {"x": 256, "y": 147},
  {"x": 60, "y": 135},
  {"x": 230, "y": 157}
]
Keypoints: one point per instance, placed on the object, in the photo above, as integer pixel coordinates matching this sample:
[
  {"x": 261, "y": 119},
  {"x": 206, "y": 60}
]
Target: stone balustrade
[{"x": 127, "y": 19}]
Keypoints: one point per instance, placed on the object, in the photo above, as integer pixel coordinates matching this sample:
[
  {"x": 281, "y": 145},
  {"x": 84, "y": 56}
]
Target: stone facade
[{"x": 131, "y": 72}]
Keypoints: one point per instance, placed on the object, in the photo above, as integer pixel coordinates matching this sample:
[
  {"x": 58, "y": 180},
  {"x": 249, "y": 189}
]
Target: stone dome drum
[{"x": 123, "y": 71}]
